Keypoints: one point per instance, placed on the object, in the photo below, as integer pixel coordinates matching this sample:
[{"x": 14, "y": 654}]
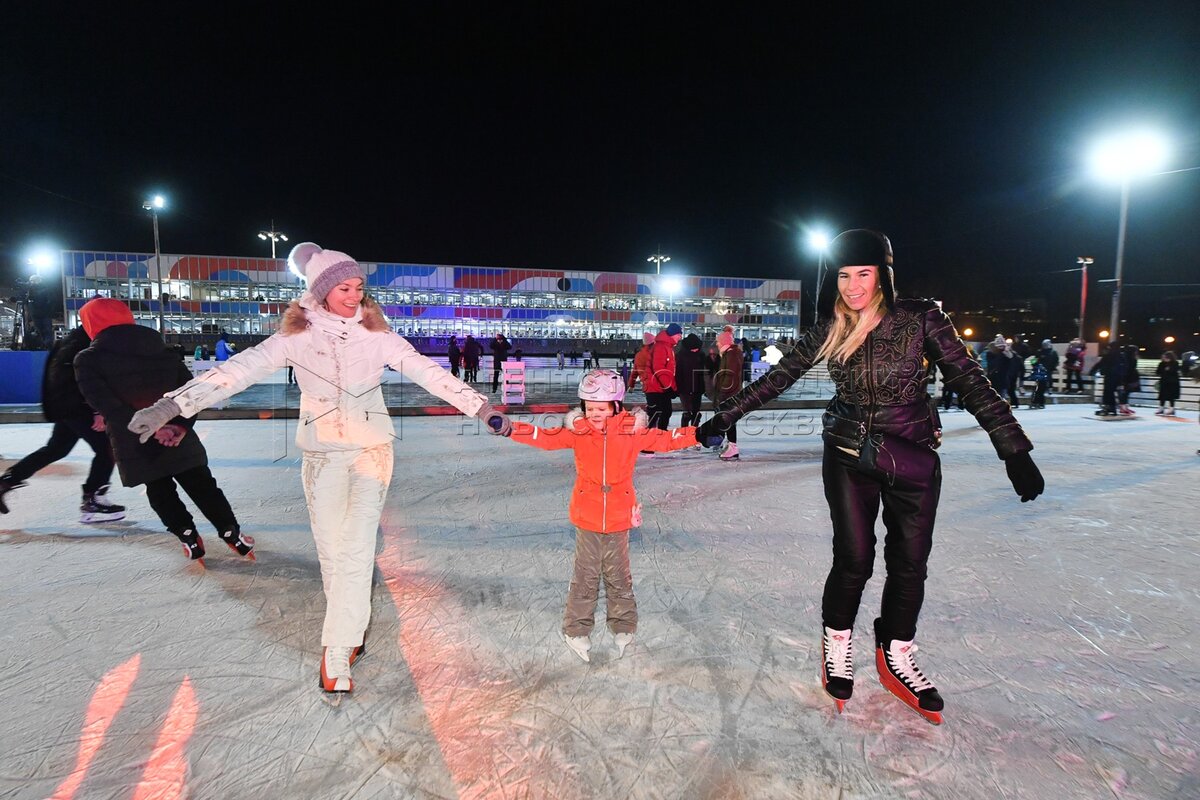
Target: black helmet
[{"x": 855, "y": 248}]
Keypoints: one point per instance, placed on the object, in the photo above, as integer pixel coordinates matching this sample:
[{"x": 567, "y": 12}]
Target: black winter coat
[
  {"x": 1168, "y": 381},
  {"x": 61, "y": 400},
  {"x": 881, "y": 387},
  {"x": 689, "y": 367},
  {"x": 128, "y": 368}
]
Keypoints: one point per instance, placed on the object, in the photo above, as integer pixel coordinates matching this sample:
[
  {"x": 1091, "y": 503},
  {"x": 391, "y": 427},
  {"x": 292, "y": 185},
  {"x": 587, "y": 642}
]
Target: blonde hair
[{"x": 850, "y": 328}]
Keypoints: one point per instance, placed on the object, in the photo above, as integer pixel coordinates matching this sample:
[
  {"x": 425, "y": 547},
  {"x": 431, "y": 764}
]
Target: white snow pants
[{"x": 345, "y": 490}]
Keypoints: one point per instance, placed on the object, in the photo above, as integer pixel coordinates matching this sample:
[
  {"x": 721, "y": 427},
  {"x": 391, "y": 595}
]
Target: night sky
[{"x": 536, "y": 137}]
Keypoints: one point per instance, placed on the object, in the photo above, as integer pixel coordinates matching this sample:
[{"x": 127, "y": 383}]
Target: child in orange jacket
[{"x": 606, "y": 440}]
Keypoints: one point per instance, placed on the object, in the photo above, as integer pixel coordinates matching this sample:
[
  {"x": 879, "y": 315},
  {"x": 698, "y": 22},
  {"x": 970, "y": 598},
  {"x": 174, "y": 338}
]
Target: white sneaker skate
[
  {"x": 580, "y": 645},
  {"x": 622, "y": 641}
]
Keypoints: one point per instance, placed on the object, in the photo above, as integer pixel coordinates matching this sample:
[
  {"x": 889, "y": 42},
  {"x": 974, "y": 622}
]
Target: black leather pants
[{"x": 908, "y": 514}]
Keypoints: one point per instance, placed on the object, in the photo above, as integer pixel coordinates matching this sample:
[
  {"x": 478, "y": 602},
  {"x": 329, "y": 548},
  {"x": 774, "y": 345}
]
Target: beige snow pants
[
  {"x": 345, "y": 490},
  {"x": 600, "y": 555}
]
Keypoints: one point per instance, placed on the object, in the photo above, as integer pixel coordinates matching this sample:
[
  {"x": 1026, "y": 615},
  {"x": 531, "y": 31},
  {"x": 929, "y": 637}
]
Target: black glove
[
  {"x": 708, "y": 435},
  {"x": 1026, "y": 479}
]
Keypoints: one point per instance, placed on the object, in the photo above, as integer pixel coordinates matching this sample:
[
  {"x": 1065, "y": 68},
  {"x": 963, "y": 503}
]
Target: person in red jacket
[
  {"x": 606, "y": 440},
  {"x": 659, "y": 379}
]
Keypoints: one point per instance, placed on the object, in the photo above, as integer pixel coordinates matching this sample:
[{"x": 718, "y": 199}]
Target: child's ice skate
[
  {"x": 579, "y": 645},
  {"x": 622, "y": 641}
]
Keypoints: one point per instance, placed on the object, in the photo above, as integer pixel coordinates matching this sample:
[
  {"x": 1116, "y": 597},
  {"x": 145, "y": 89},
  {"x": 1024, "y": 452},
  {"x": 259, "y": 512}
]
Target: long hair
[{"x": 850, "y": 328}]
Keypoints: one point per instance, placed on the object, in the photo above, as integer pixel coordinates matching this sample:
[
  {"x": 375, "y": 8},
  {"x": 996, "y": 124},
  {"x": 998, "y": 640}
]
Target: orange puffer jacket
[{"x": 603, "y": 499}]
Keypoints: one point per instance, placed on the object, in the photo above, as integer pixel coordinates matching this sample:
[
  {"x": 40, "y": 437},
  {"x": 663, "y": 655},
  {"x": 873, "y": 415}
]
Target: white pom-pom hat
[{"x": 322, "y": 269}]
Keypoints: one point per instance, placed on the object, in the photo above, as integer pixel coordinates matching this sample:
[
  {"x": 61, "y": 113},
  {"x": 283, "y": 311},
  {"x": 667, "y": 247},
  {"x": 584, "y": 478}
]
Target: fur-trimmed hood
[{"x": 296, "y": 320}]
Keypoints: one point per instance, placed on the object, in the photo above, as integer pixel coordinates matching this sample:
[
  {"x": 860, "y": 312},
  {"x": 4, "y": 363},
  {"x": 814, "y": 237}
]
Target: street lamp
[
  {"x": 658, "y": 258},
  {"x": 819, "y": 241},
  {"x": 1123, "y": 158},
  {"x": 274, "y": 236},
  {"x": 1084, "y": 262},
  {"x": 154, "y": 205}
]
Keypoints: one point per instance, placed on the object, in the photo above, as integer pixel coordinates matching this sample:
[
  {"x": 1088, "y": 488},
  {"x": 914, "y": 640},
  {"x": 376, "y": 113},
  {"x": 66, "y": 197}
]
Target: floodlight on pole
[
  {"x": 154, "y": 205},
  {"x": 1122, "y": 158},
  {"x": 658, "y": 259},
  {"x": 272, "y": 236}
]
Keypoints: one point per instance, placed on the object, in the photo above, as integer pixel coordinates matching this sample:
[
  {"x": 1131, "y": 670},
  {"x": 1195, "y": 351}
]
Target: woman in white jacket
[{"x": 338, "y": 342}]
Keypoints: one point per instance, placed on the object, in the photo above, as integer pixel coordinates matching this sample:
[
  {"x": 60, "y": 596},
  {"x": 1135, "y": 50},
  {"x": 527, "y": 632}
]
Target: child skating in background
[{"x": 606, "y": 440}]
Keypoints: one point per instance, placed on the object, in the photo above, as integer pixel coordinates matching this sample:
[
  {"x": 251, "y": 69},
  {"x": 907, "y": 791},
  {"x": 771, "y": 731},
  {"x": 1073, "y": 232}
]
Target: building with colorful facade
[{"x": 246, "y": 296}]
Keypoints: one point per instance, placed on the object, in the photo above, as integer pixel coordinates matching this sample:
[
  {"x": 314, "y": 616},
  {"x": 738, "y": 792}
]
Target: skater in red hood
[{"x": 606, "y": 440}]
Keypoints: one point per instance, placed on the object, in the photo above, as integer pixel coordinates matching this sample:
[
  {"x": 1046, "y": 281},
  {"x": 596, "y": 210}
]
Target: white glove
[
  {"x": 149, "y": 420},
  {"x": 498, "y": 423}
]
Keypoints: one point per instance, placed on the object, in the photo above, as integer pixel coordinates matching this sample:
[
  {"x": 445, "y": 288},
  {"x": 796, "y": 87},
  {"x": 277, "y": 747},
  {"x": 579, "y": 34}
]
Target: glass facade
[{"x": 246, "y": 296}]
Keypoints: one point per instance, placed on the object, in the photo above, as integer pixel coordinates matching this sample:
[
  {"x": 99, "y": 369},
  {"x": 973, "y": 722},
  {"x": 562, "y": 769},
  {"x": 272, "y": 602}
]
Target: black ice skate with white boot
[
  {"x": 899, "y": 674},
  {"x": 96, "y": 508},
  {"x": 837, "y": 665},
  {"x": 239, "y": 542}
]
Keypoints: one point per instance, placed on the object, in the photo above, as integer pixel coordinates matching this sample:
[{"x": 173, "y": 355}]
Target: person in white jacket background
[{"x": 338, "y": 342}]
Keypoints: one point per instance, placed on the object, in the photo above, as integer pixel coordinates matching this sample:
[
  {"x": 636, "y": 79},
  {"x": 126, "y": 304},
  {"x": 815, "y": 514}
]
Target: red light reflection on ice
[
  {"x": 469, "y": 712},
  {"x": 106, "y": 701},
  {"x": 165, "y": 775}
]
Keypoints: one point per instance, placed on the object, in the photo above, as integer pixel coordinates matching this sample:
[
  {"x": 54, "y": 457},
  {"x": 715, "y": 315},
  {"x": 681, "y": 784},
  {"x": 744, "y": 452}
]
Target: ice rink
[{"x": 1062, "y": 633}]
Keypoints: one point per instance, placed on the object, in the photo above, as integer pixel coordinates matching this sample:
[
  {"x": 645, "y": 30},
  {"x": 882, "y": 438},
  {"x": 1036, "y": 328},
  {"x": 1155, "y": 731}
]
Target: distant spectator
[
  {"x": 500, "y": 348},
  {"x": 1168, "y": 383},
  {"x": 454, "y": 356},
  {"x": 689, "y": 379},
  {"x": 1073, "y": 364}
]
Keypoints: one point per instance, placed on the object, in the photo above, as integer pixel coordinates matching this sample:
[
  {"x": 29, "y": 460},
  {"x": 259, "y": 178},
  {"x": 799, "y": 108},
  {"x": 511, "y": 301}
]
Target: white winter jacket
[{"x": 338, "y": 365}]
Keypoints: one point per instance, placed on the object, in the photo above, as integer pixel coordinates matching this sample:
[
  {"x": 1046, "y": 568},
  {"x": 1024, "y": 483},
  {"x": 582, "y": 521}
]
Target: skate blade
[
  {"x": 248, "y": 556},
  {"x": 841, "y": 704},
  {"x": 93, "y": 519},
  {"x": 903, "y": 695}
]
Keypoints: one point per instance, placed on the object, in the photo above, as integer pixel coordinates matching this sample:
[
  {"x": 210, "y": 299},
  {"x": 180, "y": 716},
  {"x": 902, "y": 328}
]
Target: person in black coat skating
[
  {"x": 73, "y": 419},
  {"x": 880, "y": 432},
  {"x": 127, "y": 368}
]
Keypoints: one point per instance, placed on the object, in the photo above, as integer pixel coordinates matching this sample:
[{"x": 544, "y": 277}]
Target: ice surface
[{"x": 1061, "y": 632}]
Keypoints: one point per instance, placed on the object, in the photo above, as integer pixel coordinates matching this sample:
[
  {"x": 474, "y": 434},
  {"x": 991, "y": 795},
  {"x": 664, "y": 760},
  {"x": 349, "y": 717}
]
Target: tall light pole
[
  {"x": 819, "y": 241},
  {"x": 1083, "y": 262},
  {"x": 153, "y": 205},
  {"x": 658, "y": 258},
  {"x": 274, "y": 236},
  {"x": 1123, "y": 158}
]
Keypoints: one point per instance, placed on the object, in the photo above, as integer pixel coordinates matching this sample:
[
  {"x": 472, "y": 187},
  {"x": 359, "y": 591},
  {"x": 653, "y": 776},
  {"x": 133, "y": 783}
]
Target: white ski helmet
[{"x": 602, "y": 385}]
